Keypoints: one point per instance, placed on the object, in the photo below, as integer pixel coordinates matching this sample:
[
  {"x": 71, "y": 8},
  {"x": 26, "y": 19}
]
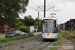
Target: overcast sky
[{"x": 66, "y": 9}]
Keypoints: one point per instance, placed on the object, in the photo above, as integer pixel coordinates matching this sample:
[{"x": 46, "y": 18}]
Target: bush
[
  {"x": 24, "y": 28},
  {"x": 30, "y": 34}
]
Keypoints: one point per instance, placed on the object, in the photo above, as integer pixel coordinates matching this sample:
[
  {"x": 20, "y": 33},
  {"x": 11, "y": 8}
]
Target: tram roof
[{"x": 50, "y": 18}]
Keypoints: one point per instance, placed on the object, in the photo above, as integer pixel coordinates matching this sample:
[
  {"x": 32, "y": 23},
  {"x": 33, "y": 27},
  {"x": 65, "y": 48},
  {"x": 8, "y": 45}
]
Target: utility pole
[
  {"x": 38, "y": 21},
  {"x": 44, "y": 8},
  {"x": 38, "y": 17}
]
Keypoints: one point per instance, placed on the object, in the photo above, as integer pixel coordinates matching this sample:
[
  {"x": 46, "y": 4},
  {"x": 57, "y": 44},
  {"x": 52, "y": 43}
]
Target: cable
[
  {"x": 35, "y": 4},
  {"x": 52, "y": 2},
  {"x": 31, "y": 7},
  {"x": 48, "y": 3},
  {"x": 50, "y": 8},
  {"x": 53, "y": 5}
]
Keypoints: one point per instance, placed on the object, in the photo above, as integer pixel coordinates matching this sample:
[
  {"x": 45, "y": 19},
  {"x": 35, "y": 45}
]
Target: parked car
[
  {"x": 23, "y": 33},
  {"x": 14, "y": 33}
]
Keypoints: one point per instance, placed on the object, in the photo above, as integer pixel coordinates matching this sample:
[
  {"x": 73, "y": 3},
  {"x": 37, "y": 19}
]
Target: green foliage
[
  {"x": 36, "y": 24},
  {"x": 18, "y": 24},
  {"x": 9, "y": 10},
  {"x": 3, "y": 40},
  {"x": 22, "y": 46},
  {"x": 66, "y": 35},
  {"x": 28, "y": 20},
  {"x": 24, "y": 28},
  {"x": 30, "y": 34},
  {"x": 52, "y": 48},
  {"x": 55, "y": 44}
]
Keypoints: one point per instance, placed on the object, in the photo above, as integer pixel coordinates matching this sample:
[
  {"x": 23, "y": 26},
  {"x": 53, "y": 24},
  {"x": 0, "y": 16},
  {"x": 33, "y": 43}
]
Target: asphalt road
[{"x": 2, "y": 35}]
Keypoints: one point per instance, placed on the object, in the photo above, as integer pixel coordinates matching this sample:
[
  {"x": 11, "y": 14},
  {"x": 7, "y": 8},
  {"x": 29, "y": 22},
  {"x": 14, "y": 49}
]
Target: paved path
[
  {"x": 2, "y": 35},
  {"x": 37, "y": 33},
  {"x": 65, "y": 44}
]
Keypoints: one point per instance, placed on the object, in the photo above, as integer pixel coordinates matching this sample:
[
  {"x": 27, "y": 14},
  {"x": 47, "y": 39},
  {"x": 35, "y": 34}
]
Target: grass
[
  {"x": 39, "y": 48},
  {"x": 22, "y": 46},
  {"x": 9, "y": 49},
  {"x": 9, "y": 44},
  {"x": 55, "y": 44},
  {"x": 4, "y": 40},
  {"x": 65, "y": 35},
  {"x": 34, "y": 44}
]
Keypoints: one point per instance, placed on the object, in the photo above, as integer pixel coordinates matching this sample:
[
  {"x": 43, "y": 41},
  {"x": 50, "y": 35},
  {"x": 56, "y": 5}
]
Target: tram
[{"x": 49, "y": 28}]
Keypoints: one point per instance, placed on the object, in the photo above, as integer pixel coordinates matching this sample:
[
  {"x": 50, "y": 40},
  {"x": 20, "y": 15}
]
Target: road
[{"x": 2, "y": 35}]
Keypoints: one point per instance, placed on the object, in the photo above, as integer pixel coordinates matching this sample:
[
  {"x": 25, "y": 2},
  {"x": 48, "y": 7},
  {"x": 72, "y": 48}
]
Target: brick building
[{"x": 6, "y": 28}]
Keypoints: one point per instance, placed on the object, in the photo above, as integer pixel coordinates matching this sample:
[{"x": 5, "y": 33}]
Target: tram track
[
  {"x": 40, "y": 46},
  {"x": 33, "y": 44},
  {"x": 20, "y": 41}
]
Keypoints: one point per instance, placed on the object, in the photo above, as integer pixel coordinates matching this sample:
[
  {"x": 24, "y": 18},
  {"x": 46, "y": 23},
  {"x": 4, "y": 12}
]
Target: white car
[{"x": 23, "y": 33}]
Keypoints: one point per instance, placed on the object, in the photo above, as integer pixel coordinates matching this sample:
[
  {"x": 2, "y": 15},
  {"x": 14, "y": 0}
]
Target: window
[
  {"x": 47, "y": 27},
  {"x": 18, "y": 31}
]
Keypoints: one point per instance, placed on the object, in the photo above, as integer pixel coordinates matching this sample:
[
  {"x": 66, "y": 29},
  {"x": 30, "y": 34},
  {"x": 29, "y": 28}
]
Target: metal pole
[
  {"x": 38, "y": 21},
  {"x": 44, "y": 7}
]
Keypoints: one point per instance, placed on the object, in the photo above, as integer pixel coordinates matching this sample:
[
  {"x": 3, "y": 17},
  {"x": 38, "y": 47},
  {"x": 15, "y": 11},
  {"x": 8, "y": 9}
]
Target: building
[
  {"x": 69, "y": 25},
  {"x": 6, "y": 28}
]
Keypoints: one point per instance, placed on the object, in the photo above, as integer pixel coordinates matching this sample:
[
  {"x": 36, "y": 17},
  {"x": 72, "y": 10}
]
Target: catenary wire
[
  {"x": 31, "y": 7},
  {"x": 35, "y": 4}
]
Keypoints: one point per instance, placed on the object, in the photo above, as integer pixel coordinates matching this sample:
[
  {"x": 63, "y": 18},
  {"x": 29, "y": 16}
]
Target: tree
[
  {"x": 9, "y": 9},
  {"x": 18, "y": 24},
  {"x": 28, "y": 20},
  {"x": 2, "y": 22},
  {"x": 36, "y": 23}
]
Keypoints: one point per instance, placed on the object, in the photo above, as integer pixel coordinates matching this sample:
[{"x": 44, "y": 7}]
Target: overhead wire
[
  {"x": 40, "y": 7},
  {"x": 31, "y": 7},
  {"x": 35, "y": 4},
  {"x": 50, "y": 5},
  {"x": 52, "y": 2}
]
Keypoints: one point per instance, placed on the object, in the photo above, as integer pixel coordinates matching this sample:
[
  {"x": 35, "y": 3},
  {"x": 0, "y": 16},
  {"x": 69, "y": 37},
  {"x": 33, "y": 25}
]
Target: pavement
[
  {"x": 2, "y": 35},
  {"x": 37, "y": 33}
]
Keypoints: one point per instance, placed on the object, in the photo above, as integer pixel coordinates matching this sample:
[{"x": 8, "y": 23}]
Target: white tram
[{"x": 49, "y": 28}]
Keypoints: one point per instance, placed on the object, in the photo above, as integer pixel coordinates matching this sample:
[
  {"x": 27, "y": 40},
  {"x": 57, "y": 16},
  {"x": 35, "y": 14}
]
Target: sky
[{"x": 66, "y": 9}]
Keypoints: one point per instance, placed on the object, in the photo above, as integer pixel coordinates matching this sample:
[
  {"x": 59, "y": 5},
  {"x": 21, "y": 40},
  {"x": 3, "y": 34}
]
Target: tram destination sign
[{"x": 48, "y": 20}]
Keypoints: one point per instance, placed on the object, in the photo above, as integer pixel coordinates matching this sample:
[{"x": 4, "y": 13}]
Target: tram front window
[{"x": 47, "y": 27}]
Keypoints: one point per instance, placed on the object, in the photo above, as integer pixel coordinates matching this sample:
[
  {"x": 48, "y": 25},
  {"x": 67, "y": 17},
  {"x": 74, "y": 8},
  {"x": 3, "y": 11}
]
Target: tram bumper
[{"x": 51, "y": 36}]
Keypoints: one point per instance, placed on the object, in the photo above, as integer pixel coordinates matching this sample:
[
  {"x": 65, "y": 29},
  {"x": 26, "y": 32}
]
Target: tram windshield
[{"x": 47, "y": 27}]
